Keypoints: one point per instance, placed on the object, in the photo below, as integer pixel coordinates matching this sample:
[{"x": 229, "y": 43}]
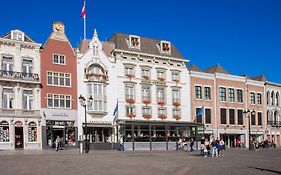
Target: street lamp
[
  {"x": 85, "y": 103},
  {"x": 248, "y": 114}
]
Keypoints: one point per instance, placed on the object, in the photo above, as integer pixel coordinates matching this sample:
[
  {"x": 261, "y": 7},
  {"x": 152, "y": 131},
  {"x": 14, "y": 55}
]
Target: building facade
[
  {"x": 225, "y": 98},
  {"x": 273, "y": 110},
  {"x": 147, "y": 78},
  {"x": 59, "y": 92},
  {"x": 20, "y": 88}
]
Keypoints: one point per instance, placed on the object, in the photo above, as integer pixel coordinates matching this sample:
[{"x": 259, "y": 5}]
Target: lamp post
[
  {"x": 248, "y": 114},
  {"x": 85, "y": 103}
]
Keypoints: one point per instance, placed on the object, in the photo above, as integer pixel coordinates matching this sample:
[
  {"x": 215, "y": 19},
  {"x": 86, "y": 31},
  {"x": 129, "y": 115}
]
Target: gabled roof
[
  {"x": 108, "y": 48},
  {"x": 26, "y": 37},
  {"x": 194, "y": 68},
  {"x": 216, "y": 69},
  {"x": 84, "y": 46},
  {"x": 147, "y": 46}
]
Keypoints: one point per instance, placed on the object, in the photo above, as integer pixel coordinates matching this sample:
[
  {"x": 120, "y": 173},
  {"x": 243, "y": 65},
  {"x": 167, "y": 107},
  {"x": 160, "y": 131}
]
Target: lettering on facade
[{"x": 62, "y": 114}]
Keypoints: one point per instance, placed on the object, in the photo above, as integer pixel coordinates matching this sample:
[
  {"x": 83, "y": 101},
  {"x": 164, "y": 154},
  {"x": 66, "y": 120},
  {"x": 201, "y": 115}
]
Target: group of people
[{"x": 212, "y": 148}]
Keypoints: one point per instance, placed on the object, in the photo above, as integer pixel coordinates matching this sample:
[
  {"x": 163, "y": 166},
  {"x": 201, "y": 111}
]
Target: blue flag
[
  {"x": 200, "y": 112},
  {"x": 115, "y": 113}
]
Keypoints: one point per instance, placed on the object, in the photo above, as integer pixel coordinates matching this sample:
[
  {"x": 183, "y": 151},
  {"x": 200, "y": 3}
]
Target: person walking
[
  {"x": 191, "y": 145},
  {"x": 57, "y": 142},
  {"x": 214, "y": 148},
  {"x": 222, "y": 147}
]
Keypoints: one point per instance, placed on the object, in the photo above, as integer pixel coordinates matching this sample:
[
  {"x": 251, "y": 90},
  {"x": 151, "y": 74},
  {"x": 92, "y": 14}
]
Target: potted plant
[
  {"x": 162, "y": 116},
  {"x": 146, "y": 101},
  {"x": 176, "y": 103},
  {"x": 130, "y": 101},
  {"x": 161, "y": 103},
  {"x": 147, "y": 116},
  {"x": 177, "y": 117},
  {"x": 131, "y": 115}
]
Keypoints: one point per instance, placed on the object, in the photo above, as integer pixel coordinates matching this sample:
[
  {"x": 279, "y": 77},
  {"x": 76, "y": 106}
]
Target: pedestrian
[
  {"x": 207, "y": 148},
  {"x": 202, "y": 146},
  {"x": 214, "y": 148},
  {"x": 191, "y": 145},
  {"x": 57, "y": 142},
  {"x": 222, "y": 146},
  {"x": 121, "y": 145}
]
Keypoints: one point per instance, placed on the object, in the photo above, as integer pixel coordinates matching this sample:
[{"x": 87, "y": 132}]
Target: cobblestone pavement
[{"x": 70, "y": 162}]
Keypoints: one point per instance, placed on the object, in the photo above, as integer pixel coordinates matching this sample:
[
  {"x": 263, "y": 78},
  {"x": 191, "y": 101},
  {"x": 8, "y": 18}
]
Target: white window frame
[{"x": 59, "y": 59}]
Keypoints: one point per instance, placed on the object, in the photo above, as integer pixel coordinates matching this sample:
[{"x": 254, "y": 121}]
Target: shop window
[
  {"x": 4, "y": 132},
  {"x": 32, "y": 132}
]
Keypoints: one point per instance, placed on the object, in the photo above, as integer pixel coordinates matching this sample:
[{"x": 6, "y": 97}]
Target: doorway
[
  {"x": 18, "y": 137},
  {"x": 60, "y": 133}
]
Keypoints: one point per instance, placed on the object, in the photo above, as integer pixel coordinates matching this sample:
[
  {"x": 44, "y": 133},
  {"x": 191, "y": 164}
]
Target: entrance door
[
  {"x": 60, "y": 133},
  {"x": 18, "y": 137}
]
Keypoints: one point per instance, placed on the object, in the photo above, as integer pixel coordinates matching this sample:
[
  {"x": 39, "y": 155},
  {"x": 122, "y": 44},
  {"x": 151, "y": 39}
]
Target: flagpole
[{"x": 85, "y": 23}]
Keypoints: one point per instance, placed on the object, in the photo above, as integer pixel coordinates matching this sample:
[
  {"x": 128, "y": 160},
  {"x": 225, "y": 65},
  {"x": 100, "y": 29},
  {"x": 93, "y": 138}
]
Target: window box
[
  {"x": 130, "y": 101},
  {"x": 146, "y": 101},
  {"x": 162, "y": 116},
  {"x": 130, "y": 76},
  {"x": 145, "y": 77},
  {"x": 177, "y": 117},
  {"x": 176, "y": 80},
  {"x": 161, "y": 103},
  {"x": 147, "y": 116},
  {"x": 176, "y": 104},
  {"x": 161, "y": 78},
  {"x": 131, "y": 115}
]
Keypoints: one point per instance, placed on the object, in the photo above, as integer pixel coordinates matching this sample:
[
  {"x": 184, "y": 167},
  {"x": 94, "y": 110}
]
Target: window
[
  {"x": 259, "y": 99},
  {"x": 145, "y": 74},
  {"x": 239, "y": 95},
  {"x": 198, "y": 92},
  {"x": 253, "y": 119},
  {"x": 268, "y": 117},
  {"x": 146, "y": 110},
  {"x": 161, "y": 75},
  {"x": 277, "y": 99},
  {"x": 165, "y": 47},
  {"x": 223, "y": 115},
  {"x": 27, "y": 66},
  {"x": 130, "y": 111},
  {"x": 17, "y": 36},
  {"x": 176, "y": 95},
  {"x": 231, "y": 116},
  {"x": 252, "y": 98},
  {"x": 198, "y": 118},
  {"x": 27, "y": 99},
  {"x": 231, "y": 95},
  {"x": 32, "y": 132},
  {"x": 7, "y": 63},
  {"x": 240, "y": 117},
  {"x": 58, "y": 59},
  {"x": 59, "y": 101},
  {"x": 129, "y": 71},
  {"x": 146, "y": 93},
  {"x": 95, "y": 50},
  {"x": 160, "y": 94},
  {"x": 272, "y": 98},
  {"x": 161, "y": 111},
  {"x": 207, "y": 93},
  {"x": 259, "y": 118},
  {"x": 58, "y": 79},
  {"x": 176, "y": 112},
  {"x": 208, "y": 116},
  {"x": 97, "y": 105},
  {"x": 4, "y": 132},
  {"x": 268, "y": 98},
  {"x": 176, "y": 76},
  {"x": 222, "y": 94},
  {"x": 135, "y": 41},
  {"x": 7, "y": 100},
  {"x": 95, "y": 89},
  {"x": 129, "y": 91}
]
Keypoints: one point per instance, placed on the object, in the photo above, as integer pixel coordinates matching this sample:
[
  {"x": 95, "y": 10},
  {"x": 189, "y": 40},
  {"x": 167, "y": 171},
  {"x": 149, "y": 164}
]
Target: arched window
[
  {"x": 275, "y": 117},
  {"x": 32, "y": 132},
  {"x": 272, "y": 98},
  {"x": 96, "y": 73},
  {"x": 268, "y": 117},
  {"x": 277, "y": 98},
  {"x": 4, "y": 131},
  {"x": 268, "y": 97}
]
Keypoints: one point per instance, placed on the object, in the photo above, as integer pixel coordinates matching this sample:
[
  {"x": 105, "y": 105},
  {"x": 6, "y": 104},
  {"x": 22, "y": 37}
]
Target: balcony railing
[
  {"x": 20, "y": 112},
  {"x": 274, "y": 123},
  {"x": 19, "y": 75}
]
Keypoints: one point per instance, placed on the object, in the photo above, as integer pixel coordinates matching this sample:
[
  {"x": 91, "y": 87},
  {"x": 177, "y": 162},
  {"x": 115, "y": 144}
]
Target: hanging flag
[
  {"x": 83, "y": 12},
  {"x": 200, "y": 112},
  {"x": 115, "y": 113}
]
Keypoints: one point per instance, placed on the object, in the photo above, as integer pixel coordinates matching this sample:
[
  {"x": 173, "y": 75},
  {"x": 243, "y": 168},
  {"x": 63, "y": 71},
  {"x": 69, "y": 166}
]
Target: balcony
[
  {"x": 19, "y": 76},
  {"x": 19, "y": 113},
  {"x": 274, "y": 123}
]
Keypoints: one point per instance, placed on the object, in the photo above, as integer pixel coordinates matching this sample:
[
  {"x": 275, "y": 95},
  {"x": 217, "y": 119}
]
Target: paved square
[{"x": 70, "y": 162}]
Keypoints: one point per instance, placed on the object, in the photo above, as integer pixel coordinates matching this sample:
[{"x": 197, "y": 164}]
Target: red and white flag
[{"x": 83, "y": 12}]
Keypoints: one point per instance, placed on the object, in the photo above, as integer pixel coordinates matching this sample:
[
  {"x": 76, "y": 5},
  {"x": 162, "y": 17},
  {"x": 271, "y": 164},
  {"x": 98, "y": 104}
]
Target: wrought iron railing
[
  {"x": 19, "y": 75},
  {"x": 274, "y": 123}
]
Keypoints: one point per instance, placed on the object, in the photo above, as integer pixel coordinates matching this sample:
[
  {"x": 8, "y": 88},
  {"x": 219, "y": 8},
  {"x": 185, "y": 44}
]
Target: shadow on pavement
[{"x": 263, "y": 169}]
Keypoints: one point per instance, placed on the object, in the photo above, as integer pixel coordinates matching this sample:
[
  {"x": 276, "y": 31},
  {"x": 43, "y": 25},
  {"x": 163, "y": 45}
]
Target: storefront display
[
  {"x": 4, "y": 132},
  {"x": 32, "y": 132}
]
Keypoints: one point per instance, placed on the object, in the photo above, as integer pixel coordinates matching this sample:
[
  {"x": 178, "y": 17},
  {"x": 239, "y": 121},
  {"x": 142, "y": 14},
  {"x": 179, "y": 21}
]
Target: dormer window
[
  {"x": 134, "y": 42},
  {"x": 165, "y": 47},
  {"x": 16, "y": 35}
]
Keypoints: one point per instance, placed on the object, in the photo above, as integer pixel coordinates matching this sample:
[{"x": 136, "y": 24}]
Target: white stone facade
[{"x": 20, "y": 119}]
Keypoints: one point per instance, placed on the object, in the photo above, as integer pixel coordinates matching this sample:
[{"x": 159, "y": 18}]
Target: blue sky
[{"x": 243, "y": 36}]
